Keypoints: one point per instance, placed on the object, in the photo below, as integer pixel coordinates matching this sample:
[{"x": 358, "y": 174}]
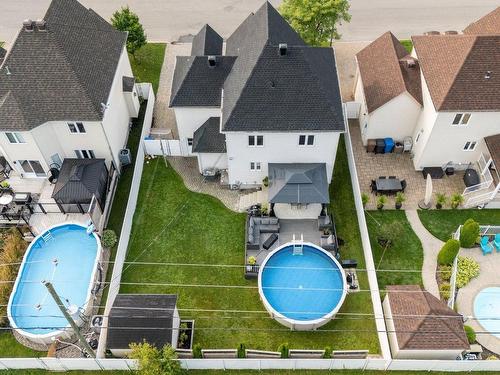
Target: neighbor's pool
[
  {"x": 487, "y": 309},
  {"x": 305, "y": 291},
  {"x": 69, "y": 260}
]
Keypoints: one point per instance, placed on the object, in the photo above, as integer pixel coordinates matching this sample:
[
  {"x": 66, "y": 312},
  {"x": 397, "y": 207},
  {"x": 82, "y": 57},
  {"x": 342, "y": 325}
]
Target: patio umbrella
[{"x": 428, "y": 191}]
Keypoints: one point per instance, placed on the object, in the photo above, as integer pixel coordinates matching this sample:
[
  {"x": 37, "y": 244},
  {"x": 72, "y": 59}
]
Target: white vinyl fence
[{"x": 163, "y": 147}]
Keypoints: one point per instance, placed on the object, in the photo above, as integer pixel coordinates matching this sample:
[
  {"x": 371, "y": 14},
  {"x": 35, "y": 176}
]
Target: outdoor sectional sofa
[{"x": 256, "y": 226}]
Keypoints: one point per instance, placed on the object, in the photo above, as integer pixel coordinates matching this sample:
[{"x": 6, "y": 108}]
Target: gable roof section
[
  {"x": 454, "y": 68},
  {"x": 64, "y": 73},
  {"x": 3, "y": 52},
  {"x": 385, "y": 73},
  {"x": 487, "y": 25},
  {"x": 208, "y": 138},
  {"x": 206, "y": 42},
  {"x": 423, "y": 322},
  {"x": 493, "y": 145}
]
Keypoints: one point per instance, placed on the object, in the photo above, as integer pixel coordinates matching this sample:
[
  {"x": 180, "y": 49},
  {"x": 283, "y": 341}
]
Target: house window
[
  {"x": 190, "y": 141},
  {"x": 256, "y": 140},
  {"x": 461, "y": 119},
  {"x": 306, "y": 140},
  {"x": 470, "y": 145},
  {"x": 255, "y": 165},
  {"x": 76, "y": 127},
  {"x": 15, "y": 138},
  {"x": 85, "y": 154}
]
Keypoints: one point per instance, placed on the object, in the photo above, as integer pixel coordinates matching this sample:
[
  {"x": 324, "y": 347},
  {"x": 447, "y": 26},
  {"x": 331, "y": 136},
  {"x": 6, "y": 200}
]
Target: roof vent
[
  {"x": 41, "y": 25},
  {"x": 272, "y": 84},
  {"x": 212, "y": 61},
  {"x": 7, "y": 70},
  {"x": 411, "y": 63},
  {"x": 283, "y": 49},
  {"x": 487, "y": 75},
  {"x": 28, "y": 25},
  {"x": 451, "y": 32},
  {"x": 432, "y": 33}
]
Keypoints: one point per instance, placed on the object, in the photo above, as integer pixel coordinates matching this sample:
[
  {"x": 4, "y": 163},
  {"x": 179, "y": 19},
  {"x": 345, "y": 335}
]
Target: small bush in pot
[
  {"x": 469, "y": 233},
  {"x": 440, "y": 200},
  {"x": 456, "y": 200},
  {"x": 400, "y": 198},
  {"x": 448, "y": 252},
  {"x": 251, "y": 260},
  {"x": 109, "y": 238},
  {"x": 381, "y": 201},
  {"x": 365, "y": 198}
]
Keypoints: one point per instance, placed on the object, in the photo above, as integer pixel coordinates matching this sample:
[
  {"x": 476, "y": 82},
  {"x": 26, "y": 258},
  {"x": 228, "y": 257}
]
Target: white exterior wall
[
  {"x": 188, "y": 120},
  {"x": 21, "y": 151},
  {"x": 212, "y": 160},
  {"x": 278, "y": 148},
  {"x": 359, "y": 97}
]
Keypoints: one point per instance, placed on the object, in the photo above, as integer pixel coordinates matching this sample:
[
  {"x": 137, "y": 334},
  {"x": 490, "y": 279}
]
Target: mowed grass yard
[
  {"x": 405, "y": 253},
  {"x": 443, "y": 223},
  {"x": 174, "y": 225}
]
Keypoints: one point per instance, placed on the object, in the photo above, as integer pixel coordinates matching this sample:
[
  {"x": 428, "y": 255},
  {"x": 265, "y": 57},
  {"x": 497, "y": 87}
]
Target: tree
[
  {"x": 316, "y": 20},
  {"x": 153, "y": 361},
  {"x": 126, "y": 20}
]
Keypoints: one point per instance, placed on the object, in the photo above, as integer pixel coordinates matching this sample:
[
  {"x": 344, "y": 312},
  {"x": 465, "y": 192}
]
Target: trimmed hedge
[
  {"x": 471, "y": 334},
  {"x": 468, "y": 268},
  {"x": 469, "y": 233},
  {"x": 109, "y": 238},
  {"x": 448, "y": 252}
]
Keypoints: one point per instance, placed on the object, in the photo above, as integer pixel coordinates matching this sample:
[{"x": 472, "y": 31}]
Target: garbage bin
[
  {"x": 370, "y": 145},
  {"x": 379, "y": 146},
  {"x": 398, "y": 148},
  {"x": 389, "y": 145}
]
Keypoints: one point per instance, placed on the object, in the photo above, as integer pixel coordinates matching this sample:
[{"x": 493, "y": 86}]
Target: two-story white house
[
  {"x": 269, "y": 99},
  {"x": 445, "y": 95},
  {"x": 66, "y": 92}
]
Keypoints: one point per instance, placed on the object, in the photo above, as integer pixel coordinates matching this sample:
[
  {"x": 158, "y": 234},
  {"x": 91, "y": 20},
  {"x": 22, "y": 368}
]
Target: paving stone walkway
[{"x": 431, "y": 246}]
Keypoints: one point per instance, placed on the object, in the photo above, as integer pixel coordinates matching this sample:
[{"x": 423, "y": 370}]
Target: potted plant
[
  {"x": 400, "y": 198},
  {"x": 265, "y": 181},
  {"x": 251, "y": 260},
  {"x": 381, "y": 201},
  {"x": 440, "y": 200},
  {"x": 456, "y": 200},
  {"x": 264, "y": 210},
  {"x": 5, "y": 184},
  {"x": 365, "y": 198}
]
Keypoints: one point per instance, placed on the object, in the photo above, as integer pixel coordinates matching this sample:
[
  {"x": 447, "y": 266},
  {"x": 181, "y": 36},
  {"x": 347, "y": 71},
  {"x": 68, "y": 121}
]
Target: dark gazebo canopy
[{"x": 79, "y": 180}]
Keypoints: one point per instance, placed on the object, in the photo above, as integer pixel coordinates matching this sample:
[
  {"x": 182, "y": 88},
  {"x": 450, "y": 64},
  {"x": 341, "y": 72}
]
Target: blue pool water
[
  {"x": 487, "y": 309},
  {"x": 75, "y": 252},
  {"x": 302, "y": 287}
]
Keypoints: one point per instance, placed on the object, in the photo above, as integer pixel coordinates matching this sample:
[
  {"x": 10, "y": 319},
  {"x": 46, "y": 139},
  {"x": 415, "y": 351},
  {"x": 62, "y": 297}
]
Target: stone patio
[{"x": 370, "y": 166}]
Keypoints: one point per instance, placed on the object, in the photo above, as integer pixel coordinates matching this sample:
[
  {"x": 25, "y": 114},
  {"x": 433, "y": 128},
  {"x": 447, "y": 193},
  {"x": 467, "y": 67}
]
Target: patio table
[
  {"x": 6, "y": 199},
  {"x": 388, "y": 185}
]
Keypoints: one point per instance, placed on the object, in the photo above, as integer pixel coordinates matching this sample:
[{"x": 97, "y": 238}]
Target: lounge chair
[
  {"x": 496, "y": 242},
  {"x": 486, "y": 246}
]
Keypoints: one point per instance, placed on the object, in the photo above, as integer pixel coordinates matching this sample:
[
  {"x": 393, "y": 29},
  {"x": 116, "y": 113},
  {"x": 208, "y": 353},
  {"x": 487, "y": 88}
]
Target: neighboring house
[
  {"x": 420, "y": 326},
  {"x": 66, "y": 91},
  {"x": 269, "y": 99}
]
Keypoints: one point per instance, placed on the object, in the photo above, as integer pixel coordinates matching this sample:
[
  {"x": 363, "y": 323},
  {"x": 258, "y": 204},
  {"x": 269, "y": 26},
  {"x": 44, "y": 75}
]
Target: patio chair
[
  {"x": 496, "y": 242},
  {"x": 403, "y": 186},
  {"x": 392, "y": 177},
  {"x": 382, "y": 177},
  {"x": 373, "y": 186},
  {"x": 486, "y": 246}
]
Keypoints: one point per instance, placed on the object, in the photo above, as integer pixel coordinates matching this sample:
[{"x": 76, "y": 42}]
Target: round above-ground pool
[
  {"x": 68, "y": 257},
  {"x": 487, "y": 309},
  {"x": 302, "y": 287}
]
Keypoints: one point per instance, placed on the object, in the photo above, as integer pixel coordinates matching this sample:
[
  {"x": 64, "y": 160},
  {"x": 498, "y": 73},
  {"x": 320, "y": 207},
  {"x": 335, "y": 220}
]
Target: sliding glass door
[{"x": 32, "y": 168}]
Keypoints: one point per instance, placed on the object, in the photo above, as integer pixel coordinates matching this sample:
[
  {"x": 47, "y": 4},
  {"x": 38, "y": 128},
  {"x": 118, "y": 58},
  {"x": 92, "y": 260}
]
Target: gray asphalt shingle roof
[
  {"x": 3, "y": 52},
  {"x": 63, "y": 73},
  {"x": 208, "y": 138},
  {"x": 206, "y": 42},
  {"x": 298, "y": 183}
]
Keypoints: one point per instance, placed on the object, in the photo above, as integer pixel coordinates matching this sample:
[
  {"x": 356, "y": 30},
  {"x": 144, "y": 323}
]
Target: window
[
  {"x": 15, "y": 138},
  {"x": 76, "y": 127},
  {"x": 32, "y": 167},
  {"x": 255, "y": 165},
  {"x": 306, "y": 140},
  {"x": 256, "y": 140},
  {"x": 190, "y": 141},
  {"x": 85, "y": 154},
  {"x": 470, "y": 145},
  {"x": 461, "y": 119}
]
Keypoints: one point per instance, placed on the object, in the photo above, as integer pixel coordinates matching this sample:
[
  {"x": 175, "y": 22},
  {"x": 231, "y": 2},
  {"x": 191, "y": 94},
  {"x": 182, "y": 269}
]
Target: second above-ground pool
[
  {"x": 302, "y": 286},
  {"x": 487, "y": 309},
  {"x": 67, "y": 256}
]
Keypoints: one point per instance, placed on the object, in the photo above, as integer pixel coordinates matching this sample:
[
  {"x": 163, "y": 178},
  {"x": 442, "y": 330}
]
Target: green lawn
[
  {"x": 443, "y": 223},
  {"x": 405, "y": 253},
  {"x": 407, "y": 43},
  {"x": 172, "y": 224},
  {"x": 11, "y": 348},
  {"x": 147, "y": 63}
]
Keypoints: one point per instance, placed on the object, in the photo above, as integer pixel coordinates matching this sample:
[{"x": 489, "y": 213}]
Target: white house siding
[
  {"x": 278, "y": 148},
  {"x": 389, "y": 323},
  {"x": 211, "y": 160},
  {"x": 22, "y": 151},
  {"x": 359, "y": 97},
  {"x": 188, "y": 120}
]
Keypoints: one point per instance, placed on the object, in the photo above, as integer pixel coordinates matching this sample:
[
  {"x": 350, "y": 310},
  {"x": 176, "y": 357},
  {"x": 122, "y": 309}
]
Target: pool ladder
[
  {"x": 47, "y": 236},
  {"x": 298, "y": 245}
]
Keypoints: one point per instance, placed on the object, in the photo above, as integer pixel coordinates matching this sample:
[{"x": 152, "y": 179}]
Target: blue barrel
[{"x": 389, "y": 145}]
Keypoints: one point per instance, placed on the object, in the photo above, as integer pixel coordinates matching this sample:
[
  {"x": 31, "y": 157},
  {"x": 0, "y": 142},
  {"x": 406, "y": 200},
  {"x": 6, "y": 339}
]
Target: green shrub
[
  {"x": 471, "y": 334},
  {"x": 448, "y": 252},
  {"x": 468, "y": 268},
  {"x": 441, "y": 200},
  {"x": 153, "y": 361},
  {"x": 381, "y": 201},
  {"x": 265, "y": 181},
  {"x": 328, "y": 352},
  {"x": 365, "y": 198},
  {"x": 284, "y": 349},
  {"x": 445, "y": 291},
  {"x": 456, "y": 200},
  {"x": 242, "y": 351},
  {"x": 197, "y": 351},
  {"x": 492, "y": 358},
  {"x": 469, "y": 233},
  {"x": 109, "y": 238},
  {"x": 445, "y": 272}
]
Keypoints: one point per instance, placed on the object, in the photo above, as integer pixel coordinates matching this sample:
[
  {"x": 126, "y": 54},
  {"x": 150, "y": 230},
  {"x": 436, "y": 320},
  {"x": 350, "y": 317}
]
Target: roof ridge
[{"x": 401, "y": 78}]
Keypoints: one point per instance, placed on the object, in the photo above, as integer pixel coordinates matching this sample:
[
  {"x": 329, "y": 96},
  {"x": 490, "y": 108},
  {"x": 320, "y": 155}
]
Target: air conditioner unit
[{"x": 125, "y": 157}]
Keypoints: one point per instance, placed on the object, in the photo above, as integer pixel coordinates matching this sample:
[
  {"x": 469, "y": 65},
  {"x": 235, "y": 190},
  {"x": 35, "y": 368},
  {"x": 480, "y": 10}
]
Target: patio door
[{"x": 31, "y": 168}]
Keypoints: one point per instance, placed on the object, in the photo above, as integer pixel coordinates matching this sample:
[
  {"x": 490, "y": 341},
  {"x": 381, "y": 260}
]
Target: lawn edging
[
  {"x": 367, "y": 250},
  {"x": 114, "y": 285}
]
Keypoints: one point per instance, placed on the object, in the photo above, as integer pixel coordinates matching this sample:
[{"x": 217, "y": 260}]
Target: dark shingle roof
[
  {"x": 79, "y": 180},
  {"x": 420, "y": 323},
  {"x": 128, "y": 84},
  {"x": 385, "y": 73},
  {"x": 3, "y": 52},
  {"x": 487, "y": 25},
  {"x": 206, "y": 42},
  {"x": 298, "y": 183},
  {"x": 208, "y": 138},
  {"x": 195, "y": 84},
  {"x": 493, "y": 144},
  {"x": 454, "y": 68},
  {"x": 64, "y": 73},
  {"x": 156, "y": 319}
]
